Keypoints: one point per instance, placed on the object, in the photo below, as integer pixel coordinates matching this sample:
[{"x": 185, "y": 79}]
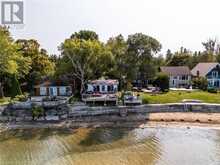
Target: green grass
[
  {"x": 177, "y": 96},
  {"x": 4, "y": 101}
]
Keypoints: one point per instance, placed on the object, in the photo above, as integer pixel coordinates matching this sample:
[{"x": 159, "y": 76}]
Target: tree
[
  {"x": 200, "y": 83},
  {"x": 41, "y": 65},
  {"x": 169, "y": 56},
  {"x": 85, "y": 35},
  {"x": 11, "y": 60},
  {"x": 162, "y": 81},
  {"x": 85, "y": 59},
  {"x": 15, "y": 87},
  {"x": 118, "y": 46},
  {"x": 140, "y": 52}
]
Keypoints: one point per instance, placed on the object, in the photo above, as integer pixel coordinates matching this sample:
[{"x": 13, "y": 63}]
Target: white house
[
  {"x": 179, "y": 76},
  {"x": 102, "y": 86}
]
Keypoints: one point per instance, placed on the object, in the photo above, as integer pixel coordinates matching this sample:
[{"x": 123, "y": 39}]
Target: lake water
[{"x": 149, "y": 146}]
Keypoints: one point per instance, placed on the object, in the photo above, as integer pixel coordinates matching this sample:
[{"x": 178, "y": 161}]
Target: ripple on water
[{"x": 99, "y": 146}]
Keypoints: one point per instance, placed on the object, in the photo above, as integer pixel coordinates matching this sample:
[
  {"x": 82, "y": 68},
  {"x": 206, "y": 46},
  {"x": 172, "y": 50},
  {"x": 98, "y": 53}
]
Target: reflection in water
[{"x": 110, "y": 146}]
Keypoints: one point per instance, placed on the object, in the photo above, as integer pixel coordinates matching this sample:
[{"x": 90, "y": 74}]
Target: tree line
[{"x": 84, "y": 57}]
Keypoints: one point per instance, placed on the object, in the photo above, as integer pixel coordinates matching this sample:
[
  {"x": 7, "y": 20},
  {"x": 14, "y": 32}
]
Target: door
[{"x": 53, "y": 91}]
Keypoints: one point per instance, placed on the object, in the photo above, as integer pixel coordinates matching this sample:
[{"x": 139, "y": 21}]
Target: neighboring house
[
  {"x": 50, "y": 88},
  {"x": 179, "y": 76},
  {"x": 211, "y": 71},
  {"x": 102, "y": 86}
]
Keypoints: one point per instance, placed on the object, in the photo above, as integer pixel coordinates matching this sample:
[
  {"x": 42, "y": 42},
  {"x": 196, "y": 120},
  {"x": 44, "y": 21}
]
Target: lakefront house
[
  {"x": 210, "y": 71},
  {"x": 53, "y": 88},
  {"x": 179, "y": 76}
]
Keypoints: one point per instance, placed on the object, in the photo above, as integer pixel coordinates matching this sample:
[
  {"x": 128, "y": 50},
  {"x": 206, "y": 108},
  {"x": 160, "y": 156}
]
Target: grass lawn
[
  {"x": 177, "y": 96},
  {"x": 4, "y": 101}
]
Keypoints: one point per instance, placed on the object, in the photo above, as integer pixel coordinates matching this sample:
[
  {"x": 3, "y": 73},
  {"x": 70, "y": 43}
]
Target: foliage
[
  {"x": 212, "y": 90},
  {"x": 118, "y": 46},
  {"x": 85, "y": 59},
  {"x": 15, "y": 87},
  {"x": 41, "y": 65},
  {"x": 11, "y": 60},
  {"x": 145, "y": 100},
  {"x": 21, "y": 98},
  {"x": 4, "y": 100},
  {"x": 85, "y": 35},
  {"x": 73, "y": 99},
  {"x": 37, "y": 112},
  {"x": 140, "y": 52},
  {"x": 176, "y": 97},
  {"x": 200, "y": 83},
  {"x": 162, "y": 81}
]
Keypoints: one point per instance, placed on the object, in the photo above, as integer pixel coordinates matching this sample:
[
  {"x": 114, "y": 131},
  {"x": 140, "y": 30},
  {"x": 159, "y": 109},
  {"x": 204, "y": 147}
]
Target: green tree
[
  {"x": 41, "y": 65},
  {"x": 200, "y": 83},
  {"x": 162, "y": 81},
  {"x": 11, "y": 60},
  {"x": 85, "y": 59},
  {"x": 15, "y": 87},
  {"x": 140, "y": 52},
  {"x": 118, "y": 46},
  {"x": 85, "y": 35}
]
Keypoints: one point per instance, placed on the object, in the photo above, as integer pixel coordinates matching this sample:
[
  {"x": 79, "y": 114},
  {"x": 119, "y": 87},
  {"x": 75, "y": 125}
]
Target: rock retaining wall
[{"x": 120, "y": 113}]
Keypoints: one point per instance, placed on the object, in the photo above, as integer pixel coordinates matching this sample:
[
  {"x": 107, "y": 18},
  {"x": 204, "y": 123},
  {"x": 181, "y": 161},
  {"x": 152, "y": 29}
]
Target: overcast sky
[{"x": 174, "y": 23}]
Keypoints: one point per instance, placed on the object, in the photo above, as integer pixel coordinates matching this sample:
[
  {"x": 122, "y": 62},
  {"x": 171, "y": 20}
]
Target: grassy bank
[
  {"x": 175, "y": 97},
  {"x": 4, "y": 101}
]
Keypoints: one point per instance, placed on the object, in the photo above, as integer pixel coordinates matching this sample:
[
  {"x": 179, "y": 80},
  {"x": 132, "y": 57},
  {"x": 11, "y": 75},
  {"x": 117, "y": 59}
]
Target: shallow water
[{"x": 149, "y": 146}]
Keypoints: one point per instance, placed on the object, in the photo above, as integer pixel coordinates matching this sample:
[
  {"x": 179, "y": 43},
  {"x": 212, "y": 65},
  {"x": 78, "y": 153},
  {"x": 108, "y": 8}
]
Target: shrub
[
  {"x": 73, "y": 99},
  {"x": 37, "y": 112},
  {"x": 212, "y": 90},
  {"x": 15, "y": 87},
  {"x": 21, "y": 98},
  {"x": 145, "y": 100},
  {"x": 200, "y": 83},
  {"x": 162, "y": 81},
  {"x": 129, "y": 86}
]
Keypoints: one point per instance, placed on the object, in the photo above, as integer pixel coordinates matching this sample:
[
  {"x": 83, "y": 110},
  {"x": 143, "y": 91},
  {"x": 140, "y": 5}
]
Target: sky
[{"x": 174, "y": 23}]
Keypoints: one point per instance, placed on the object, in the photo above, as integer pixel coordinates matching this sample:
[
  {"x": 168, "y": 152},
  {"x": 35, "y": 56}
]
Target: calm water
[{"x": 150, "y": 146}]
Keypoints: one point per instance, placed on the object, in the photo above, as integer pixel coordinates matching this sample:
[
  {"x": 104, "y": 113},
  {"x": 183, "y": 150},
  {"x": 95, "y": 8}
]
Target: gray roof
[
  {"x": 175, "y": 70},
  {"x": 203, "y": 68}
]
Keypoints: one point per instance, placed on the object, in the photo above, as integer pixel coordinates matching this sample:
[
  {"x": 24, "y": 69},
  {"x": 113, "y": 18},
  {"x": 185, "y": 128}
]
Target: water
[{"x": 150, "y": 146}]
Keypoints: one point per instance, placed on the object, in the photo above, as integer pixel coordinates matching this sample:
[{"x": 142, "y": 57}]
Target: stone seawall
[{"x": 113, "y": 114}]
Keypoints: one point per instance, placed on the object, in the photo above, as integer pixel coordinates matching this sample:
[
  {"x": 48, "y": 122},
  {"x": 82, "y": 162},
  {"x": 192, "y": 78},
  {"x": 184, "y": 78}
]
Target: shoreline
[{"x": 175, "y": 119}]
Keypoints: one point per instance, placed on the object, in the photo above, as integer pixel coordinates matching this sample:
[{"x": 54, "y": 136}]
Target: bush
[
  {"x": 37, "y": 112},
  {"x": 21, "y": 98},
  {"x": 145, "y": 100},
  {"x": 212, "y": 90},
  {"x": 73, "y": 99},
  {"x": 162, "y": 81},
  {"x": 200, "y": 83}
]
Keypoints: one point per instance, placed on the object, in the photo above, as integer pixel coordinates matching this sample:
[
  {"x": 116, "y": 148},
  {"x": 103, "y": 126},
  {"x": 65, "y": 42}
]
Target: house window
[
  {"x": 215, "y": 74},
  {"x": 184, "y": 77},
  {"x": 43, "y": 91},
  {"x": 103, "y": 88},
  {"x": 62, "y": 91}
]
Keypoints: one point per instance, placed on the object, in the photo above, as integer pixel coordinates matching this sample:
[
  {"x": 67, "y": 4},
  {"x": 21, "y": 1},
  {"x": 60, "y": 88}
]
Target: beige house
[{"x": 179, "y": 76}]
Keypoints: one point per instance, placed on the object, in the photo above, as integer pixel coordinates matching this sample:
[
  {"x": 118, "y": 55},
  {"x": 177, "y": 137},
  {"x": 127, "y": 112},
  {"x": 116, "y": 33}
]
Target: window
[
  {"x": 215, "y": 74},
  {"x": 43, "y": 91},
  {"x": 103, "y": 88},
  {"x": 62, "y": 91},
  {"x": 184, "y": 77}
]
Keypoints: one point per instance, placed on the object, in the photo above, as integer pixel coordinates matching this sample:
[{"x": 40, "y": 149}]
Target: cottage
[
  {"x": 179, "y": 76},
  {"x": 102, "y": 86},
  {"x": 49, "y": 88},
  {"x": 210, "y": 71}
]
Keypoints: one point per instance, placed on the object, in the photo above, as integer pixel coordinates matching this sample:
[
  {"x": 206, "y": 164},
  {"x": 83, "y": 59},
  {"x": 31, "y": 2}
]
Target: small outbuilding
[{"x": 51, "y": 88}]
